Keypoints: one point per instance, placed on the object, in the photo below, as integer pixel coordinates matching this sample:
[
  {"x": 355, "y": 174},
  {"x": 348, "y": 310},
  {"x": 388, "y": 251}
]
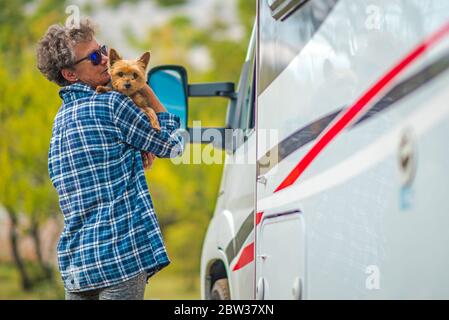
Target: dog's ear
[
  {"x": 113, "y": 56},
  {"x": 144, "y": 59}
]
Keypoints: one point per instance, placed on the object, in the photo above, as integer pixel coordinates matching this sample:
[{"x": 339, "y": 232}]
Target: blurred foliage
[
  {"x": 43, "y": 290},
  {"x": 162, "y": 3},
  {"x": 27, "y": 106},
  {"x": 247, "y": 11},
  {"x": 169, "y": 3},
  {"x": 184, "y": 195},
  {"x": 117, "y": 3}
]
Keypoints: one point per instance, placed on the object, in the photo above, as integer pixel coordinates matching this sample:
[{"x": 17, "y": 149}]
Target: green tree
[{"x": 27, "y": 105}]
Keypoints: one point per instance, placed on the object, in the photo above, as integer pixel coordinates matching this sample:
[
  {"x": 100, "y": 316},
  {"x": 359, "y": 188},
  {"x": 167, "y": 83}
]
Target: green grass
[
  {"x": 10, "y": 288},
  {"x": 163, "y": 286},
  {"x": 168, "y": 286}
]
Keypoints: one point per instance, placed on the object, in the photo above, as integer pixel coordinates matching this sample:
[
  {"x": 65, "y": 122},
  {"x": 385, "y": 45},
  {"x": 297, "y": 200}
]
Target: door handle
[{"x": 261, "y": 288}]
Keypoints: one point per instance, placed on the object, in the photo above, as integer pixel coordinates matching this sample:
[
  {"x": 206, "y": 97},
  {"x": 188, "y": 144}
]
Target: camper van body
[{"x": 340, "y": 187}]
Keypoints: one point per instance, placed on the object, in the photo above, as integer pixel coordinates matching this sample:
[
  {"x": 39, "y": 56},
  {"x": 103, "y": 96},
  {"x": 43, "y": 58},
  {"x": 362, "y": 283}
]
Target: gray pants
[{"x": 132, "y": 289}]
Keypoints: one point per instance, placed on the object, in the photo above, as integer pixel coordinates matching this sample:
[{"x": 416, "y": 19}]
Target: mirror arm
[
  {"x": 217, "y": 89},
  {"x": 199, "y": 135},
  {"x": 222, "y": 138},
  {"x": 230, "y": 95}
]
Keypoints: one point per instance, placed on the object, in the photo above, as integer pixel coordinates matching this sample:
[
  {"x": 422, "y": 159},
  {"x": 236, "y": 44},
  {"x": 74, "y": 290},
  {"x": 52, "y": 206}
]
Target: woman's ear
[
  {"x": 145, "y": 59},
  {"x": 69, "y": 75},
  {"x": 113, "y": 56}
]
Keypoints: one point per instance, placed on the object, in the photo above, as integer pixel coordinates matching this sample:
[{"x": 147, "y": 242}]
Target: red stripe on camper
[
  {"x": 347, "y": 116},
  {"x": 246, "y": 257},
  {"x": 258, "y": 217}
]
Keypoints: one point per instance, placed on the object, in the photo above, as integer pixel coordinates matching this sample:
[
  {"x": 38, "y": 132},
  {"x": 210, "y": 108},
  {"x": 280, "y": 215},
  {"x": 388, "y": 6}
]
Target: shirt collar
[{"x": 75, "y": 91}]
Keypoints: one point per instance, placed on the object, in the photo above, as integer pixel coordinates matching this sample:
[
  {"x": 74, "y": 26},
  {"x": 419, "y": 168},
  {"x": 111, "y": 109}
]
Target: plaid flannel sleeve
[{"x": 137, "y": 131}]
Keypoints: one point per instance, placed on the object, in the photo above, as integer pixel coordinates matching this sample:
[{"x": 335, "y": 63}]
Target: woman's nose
[{"x": 104, "y": 59}]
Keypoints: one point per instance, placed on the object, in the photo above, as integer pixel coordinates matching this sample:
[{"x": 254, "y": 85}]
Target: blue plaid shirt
[{"x": 111, "y": 232}]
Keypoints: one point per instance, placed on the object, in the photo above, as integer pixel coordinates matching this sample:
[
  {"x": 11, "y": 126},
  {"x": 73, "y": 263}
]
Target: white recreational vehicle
[{"x": 343, "y": 110}]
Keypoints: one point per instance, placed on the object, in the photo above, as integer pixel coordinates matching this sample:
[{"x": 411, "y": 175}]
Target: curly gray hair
[{"x": 55, "y": 50}]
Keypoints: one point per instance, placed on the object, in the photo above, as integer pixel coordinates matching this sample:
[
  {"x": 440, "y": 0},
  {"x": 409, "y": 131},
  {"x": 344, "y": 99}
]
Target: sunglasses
[{"x": 95, "y": 56}]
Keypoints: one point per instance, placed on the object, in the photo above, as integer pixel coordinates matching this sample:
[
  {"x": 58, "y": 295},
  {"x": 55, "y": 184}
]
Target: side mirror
[{"x": 169, "y": 83}]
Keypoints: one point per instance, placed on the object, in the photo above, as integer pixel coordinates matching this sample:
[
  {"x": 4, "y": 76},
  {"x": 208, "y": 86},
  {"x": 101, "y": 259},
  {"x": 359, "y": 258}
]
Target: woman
[{"x": 111, "y": 243}]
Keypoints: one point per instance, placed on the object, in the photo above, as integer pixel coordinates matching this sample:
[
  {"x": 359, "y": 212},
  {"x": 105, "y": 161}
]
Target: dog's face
[{"x": 128, "y": 76}]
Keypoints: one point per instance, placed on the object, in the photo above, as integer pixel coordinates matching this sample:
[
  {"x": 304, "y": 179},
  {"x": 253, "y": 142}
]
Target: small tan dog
[{"x": 129, "y": 78}]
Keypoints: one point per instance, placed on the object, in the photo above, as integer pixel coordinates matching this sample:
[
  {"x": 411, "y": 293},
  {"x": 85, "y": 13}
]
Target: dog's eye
[
  {"x": 135, "y": 75},
  {"x": 120, "y": 74}
]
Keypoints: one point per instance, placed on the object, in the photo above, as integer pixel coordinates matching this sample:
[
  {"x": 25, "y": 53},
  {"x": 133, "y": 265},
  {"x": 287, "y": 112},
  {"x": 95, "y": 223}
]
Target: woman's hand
[{"x": 147, "y": 159}]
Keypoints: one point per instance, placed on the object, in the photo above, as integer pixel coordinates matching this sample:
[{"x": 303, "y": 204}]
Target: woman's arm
[{"x": 137, "y": 131}]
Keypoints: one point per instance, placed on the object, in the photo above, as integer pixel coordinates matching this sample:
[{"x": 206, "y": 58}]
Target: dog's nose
[{"x": 127, "y": 85}]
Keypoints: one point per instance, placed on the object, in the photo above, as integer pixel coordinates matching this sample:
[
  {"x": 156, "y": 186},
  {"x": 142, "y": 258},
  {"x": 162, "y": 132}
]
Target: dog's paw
[
  {"x": 156, "y": 126},
  {"x": 102, "y": 89}
]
